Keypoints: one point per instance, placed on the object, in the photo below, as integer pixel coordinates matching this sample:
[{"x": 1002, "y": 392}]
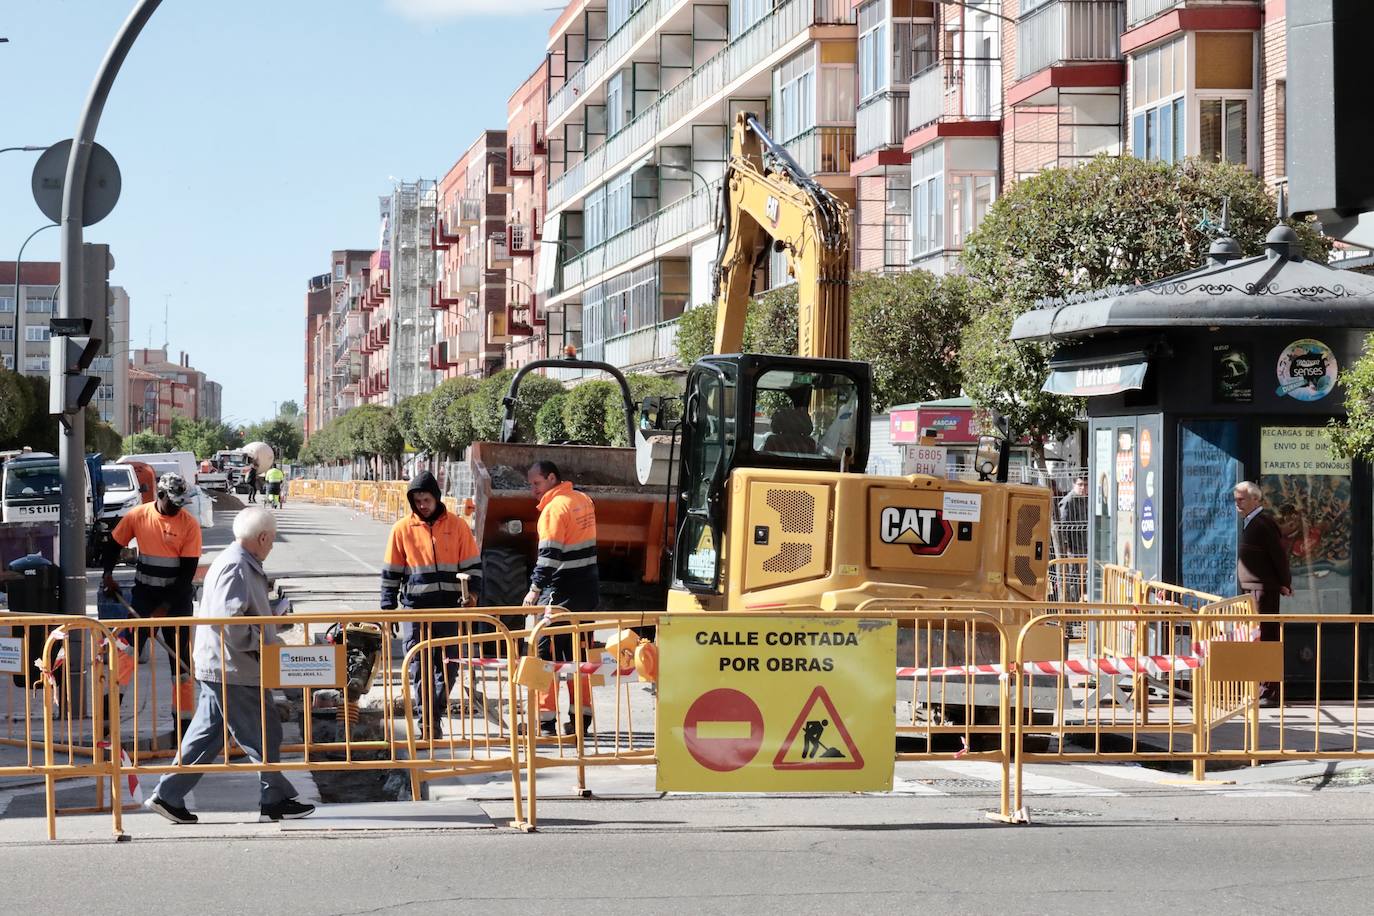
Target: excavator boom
[{"x": 771, "y": 200}]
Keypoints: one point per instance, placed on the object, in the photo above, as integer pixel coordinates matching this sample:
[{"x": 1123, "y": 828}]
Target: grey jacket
[{"x": 235, "y": 586}]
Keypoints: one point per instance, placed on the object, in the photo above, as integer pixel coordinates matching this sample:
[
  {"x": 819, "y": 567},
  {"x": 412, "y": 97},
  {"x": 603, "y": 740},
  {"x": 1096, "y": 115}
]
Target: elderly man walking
[
  {"x": 1261, "y": 565},
  {"x": 226, "y": 660}
]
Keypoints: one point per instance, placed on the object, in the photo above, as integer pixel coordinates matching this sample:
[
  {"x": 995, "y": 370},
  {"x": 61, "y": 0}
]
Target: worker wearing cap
[
  {"x": 427, "y": 551},
  {"x": 565, "y": 575},
  {"x": 168, "y": 554}
]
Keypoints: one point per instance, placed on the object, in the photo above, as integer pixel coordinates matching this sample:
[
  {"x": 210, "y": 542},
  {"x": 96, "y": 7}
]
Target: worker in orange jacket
[
  {"x": 425, "y": 554},
  {"x": 565, "y": 575},
  {"x": 169, "y": 545}
]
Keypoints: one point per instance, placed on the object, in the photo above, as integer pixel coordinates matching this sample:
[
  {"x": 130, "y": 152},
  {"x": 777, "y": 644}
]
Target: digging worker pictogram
[
  {"x": 565, "y": 575},
  {"x": 425, "y": 554}
]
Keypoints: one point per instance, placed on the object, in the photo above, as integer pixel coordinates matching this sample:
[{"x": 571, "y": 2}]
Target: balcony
[
  {"x": 767, "y": 39},
  {"x": 1063, "y": 31},
  {"x": 520, "y": 240},
  {"x": 498, "y": 254},
  {"x": 823, "y": 150},
  {"x": 497, "y": 182},
  {"x": 605, "y": 58},
  {"x": 468, "y": 211},
  {"x": 669, "y": 224},
  {"x": 521, "y": 157},
  {"x": 646, "y": 346},
  {"x": 881, "y": 121},
  {"x": 1138, "y": 11},
  {"x": 467, "y": 278},
  {"x": 954, "y": 90}
]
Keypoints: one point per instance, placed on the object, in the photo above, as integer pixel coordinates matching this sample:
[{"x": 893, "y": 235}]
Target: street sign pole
[{"x": 72, "y": 450}]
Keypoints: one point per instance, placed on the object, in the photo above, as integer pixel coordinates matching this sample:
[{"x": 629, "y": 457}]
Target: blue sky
[{"x": 253, "y": 137}]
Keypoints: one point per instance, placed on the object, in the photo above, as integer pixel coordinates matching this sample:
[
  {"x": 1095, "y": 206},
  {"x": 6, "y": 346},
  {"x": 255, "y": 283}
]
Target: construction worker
[
  {"x": 425, "y": 554},
  {"x": 565, "y": 575},
  {"x": 274, "y": 478},
  {"x": 168, "y": 555}
]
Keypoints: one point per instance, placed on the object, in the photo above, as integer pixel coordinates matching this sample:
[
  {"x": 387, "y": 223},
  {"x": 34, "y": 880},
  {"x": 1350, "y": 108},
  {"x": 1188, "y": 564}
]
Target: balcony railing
[
  {"x": 1140, "y": 10},
  {"x": 668, "y": 224},
  {"x": 960, "y": 89},
  {"x": 823, "y": 150},
  {"x": 498, "y": 255},
  {"x": 1068, "y": 30},
  {"x": 656, "y": 343},
  {"x": 521, "y": 159},
  {"x": 881, "y": 121},
  {"x": 765, "y": 38},
  {"x": 520, "y": 239},
  {"x": 606, "y": 58},
  {"x": 468, "y": 212}
]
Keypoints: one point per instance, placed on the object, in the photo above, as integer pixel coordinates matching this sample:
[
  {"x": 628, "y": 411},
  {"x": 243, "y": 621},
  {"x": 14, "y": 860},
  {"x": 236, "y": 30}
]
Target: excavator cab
[{"x": 760, "y": 411}]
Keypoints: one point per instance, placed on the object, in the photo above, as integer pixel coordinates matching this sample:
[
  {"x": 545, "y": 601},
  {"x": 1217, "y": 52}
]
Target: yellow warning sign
[{"x": 771, "y": 704}]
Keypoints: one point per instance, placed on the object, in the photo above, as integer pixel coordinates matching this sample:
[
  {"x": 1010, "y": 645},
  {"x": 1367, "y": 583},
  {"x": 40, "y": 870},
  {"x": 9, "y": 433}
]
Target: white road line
[
  {"x": 1036, "y": 783},
  {"x": 361, "y": 562},
  {"x": 901, "y": 786}
]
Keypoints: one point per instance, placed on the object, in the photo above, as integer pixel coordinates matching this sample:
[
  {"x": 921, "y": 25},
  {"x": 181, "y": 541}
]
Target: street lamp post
[
  {"x": 18, "y": 264},
  {"x": 25, "y": 149}
]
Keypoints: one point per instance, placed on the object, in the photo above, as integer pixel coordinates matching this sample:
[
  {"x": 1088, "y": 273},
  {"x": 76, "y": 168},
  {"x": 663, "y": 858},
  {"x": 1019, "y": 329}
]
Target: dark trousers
[
  {"x": 1267, "y": 602},
  {"x": 430, "y": 694},
  {"x": 147, "y": 600}
]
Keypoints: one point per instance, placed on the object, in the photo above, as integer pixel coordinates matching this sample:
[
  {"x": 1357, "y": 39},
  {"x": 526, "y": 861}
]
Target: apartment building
[
  {"x": 643, "y": 94},
  {"x": 992, "y": 91},
  {"x": 347, "y": 326},
  {"x": 24, "y": 334},
  {"x": 528, "y": 178},
  {"x": 375, "y": 387},
  {"x": 469, "y": 236},
  {"x": 318, "y": 393},
  {"x": 180, "y": 391}
]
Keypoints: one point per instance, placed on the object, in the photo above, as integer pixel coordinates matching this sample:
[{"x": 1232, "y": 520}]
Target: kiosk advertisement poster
[
  {"x": 1103, "y": 547},
  {"x": 1125, "y": 496},
  {"x": 1148, "y": 477},
  {"x": 771, "y": 704},
  {"x": 1308, "y": 488},
  {"x": 1207, "y": 471}
]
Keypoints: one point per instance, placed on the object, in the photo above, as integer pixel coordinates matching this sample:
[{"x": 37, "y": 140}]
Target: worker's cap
[{"x": 173, "y": 486}]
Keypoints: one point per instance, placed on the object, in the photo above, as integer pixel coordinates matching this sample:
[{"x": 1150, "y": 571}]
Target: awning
[{"x": 1083, "y": 378}]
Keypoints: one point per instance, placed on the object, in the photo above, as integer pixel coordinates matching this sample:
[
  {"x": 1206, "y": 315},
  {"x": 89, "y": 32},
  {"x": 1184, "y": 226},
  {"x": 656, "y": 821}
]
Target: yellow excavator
[{"x": 775, "y": 509}]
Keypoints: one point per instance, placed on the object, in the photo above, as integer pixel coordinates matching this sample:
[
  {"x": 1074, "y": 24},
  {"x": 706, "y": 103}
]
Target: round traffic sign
[
  {"x": 102, "y": 183},
  {"x": 723, "y": 729}
]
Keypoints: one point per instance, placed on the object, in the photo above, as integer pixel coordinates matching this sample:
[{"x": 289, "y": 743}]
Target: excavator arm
[{"x": 769, "y": 198}]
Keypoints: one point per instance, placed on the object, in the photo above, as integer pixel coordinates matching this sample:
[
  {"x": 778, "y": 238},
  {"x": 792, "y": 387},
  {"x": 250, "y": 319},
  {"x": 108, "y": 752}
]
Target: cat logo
[{"x": 923, "y": 530}]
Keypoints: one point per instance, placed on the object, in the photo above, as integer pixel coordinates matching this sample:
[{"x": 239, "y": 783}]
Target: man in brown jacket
[{"x": 1261, "y": 564}]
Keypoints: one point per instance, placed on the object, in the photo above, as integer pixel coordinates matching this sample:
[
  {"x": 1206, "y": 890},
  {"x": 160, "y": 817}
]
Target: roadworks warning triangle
[{"x": 811, "y": 745}]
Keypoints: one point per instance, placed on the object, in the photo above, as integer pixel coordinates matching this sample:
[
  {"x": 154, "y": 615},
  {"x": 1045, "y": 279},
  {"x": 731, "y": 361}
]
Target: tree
[
  {"x": 906, "y": 326},
  {"x": 280, "y": 433},
  {"x": 548, "y": 423},
  {"x": 289, "y": 409},
  {"x": 1064, "y": 231},
  {"x": 40, "y": 429},
  {"x": 1355, "y": 437},
  {"x": 16, "y": 405},
  {"x": 443, "y": 430},
  {"x": 101, "y": 437},
  {"x": 770, "y": 326},
  {"x": 488, "y": 409},
  {"x": 458, "y": 423},
  {"x": 147, "y": 443},
  {"x": 411, "y": 414},
  {"x": 584, "y": 411},
  {"x": 203, "y": 438}
]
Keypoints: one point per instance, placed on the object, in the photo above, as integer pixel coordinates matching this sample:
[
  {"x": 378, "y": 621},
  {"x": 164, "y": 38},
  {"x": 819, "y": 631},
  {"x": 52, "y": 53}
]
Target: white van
[
  {"x": 32, "y": 489},
  {"x": 199, "y": 503}
]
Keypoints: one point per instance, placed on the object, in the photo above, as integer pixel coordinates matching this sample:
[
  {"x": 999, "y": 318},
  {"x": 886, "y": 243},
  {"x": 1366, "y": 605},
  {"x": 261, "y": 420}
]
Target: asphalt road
[{"x": 825, "y": 855}]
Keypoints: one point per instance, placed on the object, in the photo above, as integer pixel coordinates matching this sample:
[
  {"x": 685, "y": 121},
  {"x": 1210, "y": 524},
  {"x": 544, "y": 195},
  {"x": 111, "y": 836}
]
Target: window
[
  {"x": 7, "y": 333},
  {"x": 794, "y": 96},
  {"x": 594, "y": 218},
  {"x": 616, "y": 104},
  {"x": 927, "y": 200},
  {"x": 808, "y": 414},
  {"x": 970, "y": 196},
  {"x": 36, "y": 334},
  {"x": 873, "y": 50},
  {"x": 1280, "y": 130},
  {"x": 745, "y": 13},
  {"x": 1158, "y": 84},
  {"x": 102, "y": 364},
  {"x": 1222, "y": 130},
  {"x": 105, "y": 393},
  {"x": 618, "y": 203},
  {"x": 339, "y": 272},
  {"x": 35, "y": 305},
  {"x": 36, "y": 364},
  {"x": 6, "y": 303}
]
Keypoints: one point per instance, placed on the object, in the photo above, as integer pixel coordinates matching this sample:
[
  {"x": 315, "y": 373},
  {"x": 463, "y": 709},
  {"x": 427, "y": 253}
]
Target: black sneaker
[
  {"x": 288, "y": 809},
  {"x": 586, "y": 725},
  {"x": 174, "y": 813}
]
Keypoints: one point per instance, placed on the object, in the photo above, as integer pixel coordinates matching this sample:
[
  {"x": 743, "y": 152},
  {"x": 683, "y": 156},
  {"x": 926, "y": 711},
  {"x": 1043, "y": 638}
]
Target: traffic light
[
  {"x": 96, "y": 298},
  {"x": 70, "y": 389}
]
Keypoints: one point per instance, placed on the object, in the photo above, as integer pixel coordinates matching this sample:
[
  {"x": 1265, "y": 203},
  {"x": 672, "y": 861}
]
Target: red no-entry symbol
[{"x": 723, "y": 729}]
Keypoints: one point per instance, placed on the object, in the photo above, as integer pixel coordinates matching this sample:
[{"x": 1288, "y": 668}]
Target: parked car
[{"x": 122, "y": 492}]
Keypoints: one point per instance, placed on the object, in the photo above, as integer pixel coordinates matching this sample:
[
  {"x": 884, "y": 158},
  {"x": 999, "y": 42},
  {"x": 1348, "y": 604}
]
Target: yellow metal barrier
[
  {"x": 384, "y": 500},
  {"x": 72, "y": 738}
]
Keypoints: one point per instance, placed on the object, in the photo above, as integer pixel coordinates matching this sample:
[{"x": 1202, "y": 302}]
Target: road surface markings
[{"x": 356, "y": 559}]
